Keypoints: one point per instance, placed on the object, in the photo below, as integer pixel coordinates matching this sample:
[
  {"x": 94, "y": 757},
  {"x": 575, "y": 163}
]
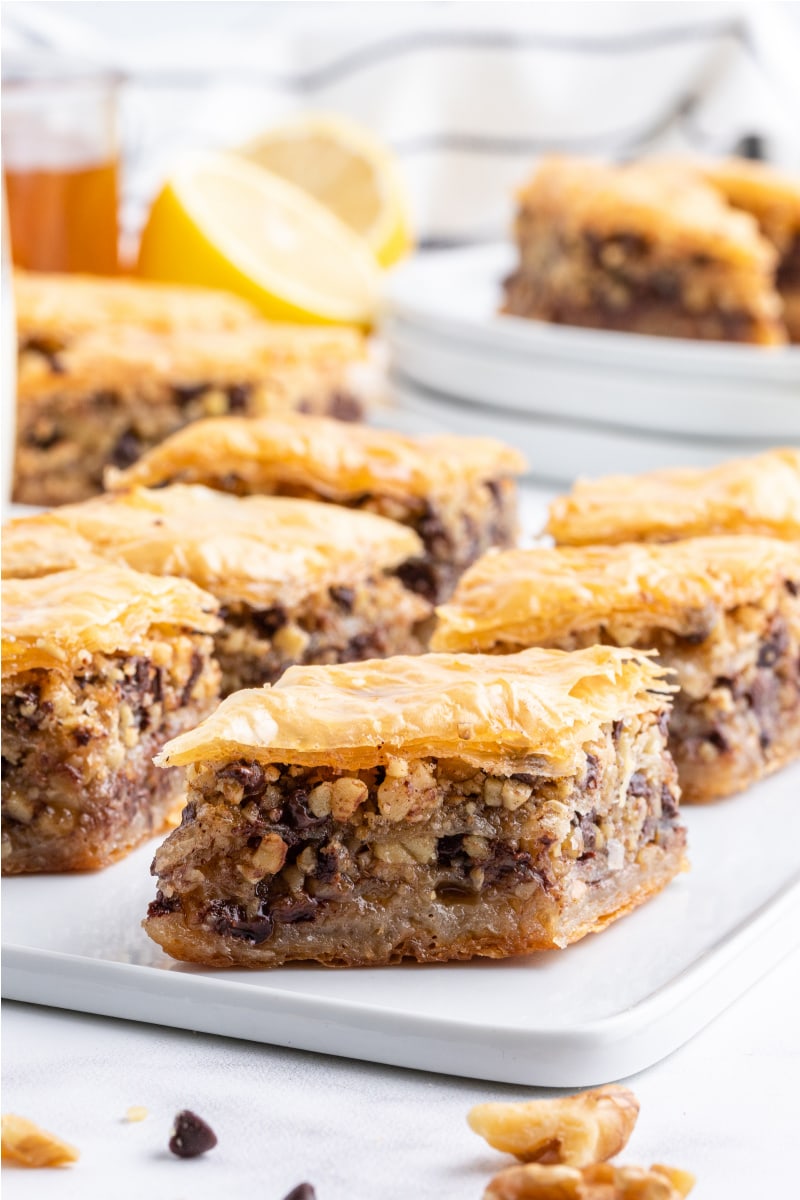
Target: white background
[{"x": 724, "y": 1106}]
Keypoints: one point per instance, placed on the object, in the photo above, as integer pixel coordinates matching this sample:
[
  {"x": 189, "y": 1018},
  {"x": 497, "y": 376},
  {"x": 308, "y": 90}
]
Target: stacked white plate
[{"x": 576, "y": 401}]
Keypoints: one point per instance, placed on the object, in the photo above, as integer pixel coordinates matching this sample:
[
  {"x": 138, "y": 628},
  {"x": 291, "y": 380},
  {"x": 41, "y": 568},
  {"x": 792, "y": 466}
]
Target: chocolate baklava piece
[
  {"x": 644, "y": 250},
  {"x": 758, "y": 495},
  {"x": 773, "y": 198},
  {"x": 114, "y": 392},
  {"x": 100, "y": 669},
  {"x": 298, "y": 581},
  {"x": 434, "y": 808},
  {"x": 457, "y": 493},
  {"x": 723, "y": 614}
]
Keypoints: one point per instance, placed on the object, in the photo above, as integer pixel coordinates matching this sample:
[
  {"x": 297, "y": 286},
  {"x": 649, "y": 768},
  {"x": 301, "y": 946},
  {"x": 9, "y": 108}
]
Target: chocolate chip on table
[
  {"x": 191, "y": 1136},
  {"x": 303, "y": 1191}
]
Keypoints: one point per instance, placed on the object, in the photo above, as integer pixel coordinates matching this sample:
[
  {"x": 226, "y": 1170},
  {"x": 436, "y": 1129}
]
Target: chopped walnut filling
[
  {"x": 373, "y": 619},
  {"x": 333, "y": 846},
  {"x": 79, "y": 786}
]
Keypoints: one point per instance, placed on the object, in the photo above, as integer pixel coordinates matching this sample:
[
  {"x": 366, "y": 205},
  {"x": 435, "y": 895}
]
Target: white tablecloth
[{"x": 724, "y": 1106}]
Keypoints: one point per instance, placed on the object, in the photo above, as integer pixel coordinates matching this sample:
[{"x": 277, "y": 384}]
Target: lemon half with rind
[
  {"x": 347, "y": 169},
  {"x": 226, "y": 223}
]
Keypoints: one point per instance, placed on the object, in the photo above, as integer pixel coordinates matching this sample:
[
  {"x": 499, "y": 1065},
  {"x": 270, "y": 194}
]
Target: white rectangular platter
[{"x": 605, "y": 1008}]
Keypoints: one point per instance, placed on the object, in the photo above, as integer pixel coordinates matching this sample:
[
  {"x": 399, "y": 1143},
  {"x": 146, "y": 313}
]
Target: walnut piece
[
  {"x": 27, "y": 1145},
  {"x": 577, "y": 1130},
  {"x": 347, "y": 795},
  {"x": 600, "y": 1181}
]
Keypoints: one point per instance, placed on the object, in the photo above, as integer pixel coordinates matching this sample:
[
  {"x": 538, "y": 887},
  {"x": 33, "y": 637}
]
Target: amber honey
[{"x": 64, "y": 219}]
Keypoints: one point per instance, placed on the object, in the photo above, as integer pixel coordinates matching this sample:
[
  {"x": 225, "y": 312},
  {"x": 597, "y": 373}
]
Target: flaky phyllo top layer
[
  {"x": 340, "y": 461},
  {"x": 57, "y": 307},
  {"x": 32, "y": 548},
  {"x": 536, "y": 710},
  {"x": 771, "y": 195},
  {"x": 146, "y": 361},
  {"x": 529, "y": 597},
  {"x": 260, "y": 550},
  {"x": 670, "y": 207},
  {"x": 61, "y": 620},
  {"x": 759, "y": 495}
]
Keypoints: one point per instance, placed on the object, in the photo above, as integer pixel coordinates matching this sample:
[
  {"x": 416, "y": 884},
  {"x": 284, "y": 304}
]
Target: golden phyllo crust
[
  {"x": 542, "y": 596},
  {"x": 258, "y": 549},
  {"x": 758, "y": 495},
  {"x": 54, "y": 308},
  {"x": 458, "y": 494},
  {"x": 142, "y": 361},
  {"x": 537, "y": 708},
  {"x": 59, "y": 621},
  {"x": 34, "y": 548},
  {"x": 677, "y": 211},
  {"x": 338, "y": 461}
]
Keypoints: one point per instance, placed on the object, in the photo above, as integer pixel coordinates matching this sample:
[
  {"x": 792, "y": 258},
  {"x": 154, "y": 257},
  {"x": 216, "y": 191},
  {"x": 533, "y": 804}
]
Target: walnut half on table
[
  {"x": 26, "y": 1145},
  {"x": 576, "y": 1130}
]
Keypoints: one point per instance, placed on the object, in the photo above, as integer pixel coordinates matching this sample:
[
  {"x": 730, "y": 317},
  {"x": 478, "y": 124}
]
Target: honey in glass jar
[{"x": 60, "y": 168}]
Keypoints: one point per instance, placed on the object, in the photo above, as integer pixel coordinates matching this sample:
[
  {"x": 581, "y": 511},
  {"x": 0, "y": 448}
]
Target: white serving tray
[
  {"x": 603, "y": 1009},
  {"x": 577, "y": 401}
]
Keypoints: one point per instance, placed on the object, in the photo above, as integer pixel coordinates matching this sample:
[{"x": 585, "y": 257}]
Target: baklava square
[
  {"x": 758, "y": 495},
  {"x": 433, "y": 808},
  {"x": 723, "y": 614},
  {"x": 772, "y": 197},
  {"x": 116, "y": 391},
  {"x": 297, "y": 581},
  {"x": 643, "y": 249},
  {"x": 100, "y": 668},
  {"x": 457, "y": 493}
]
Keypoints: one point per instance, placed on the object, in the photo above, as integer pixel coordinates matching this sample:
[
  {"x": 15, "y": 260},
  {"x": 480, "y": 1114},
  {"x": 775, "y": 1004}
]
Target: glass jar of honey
[{"x": 61, "y": 170}]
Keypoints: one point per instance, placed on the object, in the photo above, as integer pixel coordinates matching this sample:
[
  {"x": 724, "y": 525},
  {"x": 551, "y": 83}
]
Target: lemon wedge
[
  {"x": 348, "y": 170},
  {"x": 226, "y": 223}
]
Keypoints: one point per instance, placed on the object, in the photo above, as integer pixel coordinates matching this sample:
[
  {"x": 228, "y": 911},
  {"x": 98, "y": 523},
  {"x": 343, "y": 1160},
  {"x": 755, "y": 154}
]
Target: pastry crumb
[{"x": 136, "y": 1112}]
